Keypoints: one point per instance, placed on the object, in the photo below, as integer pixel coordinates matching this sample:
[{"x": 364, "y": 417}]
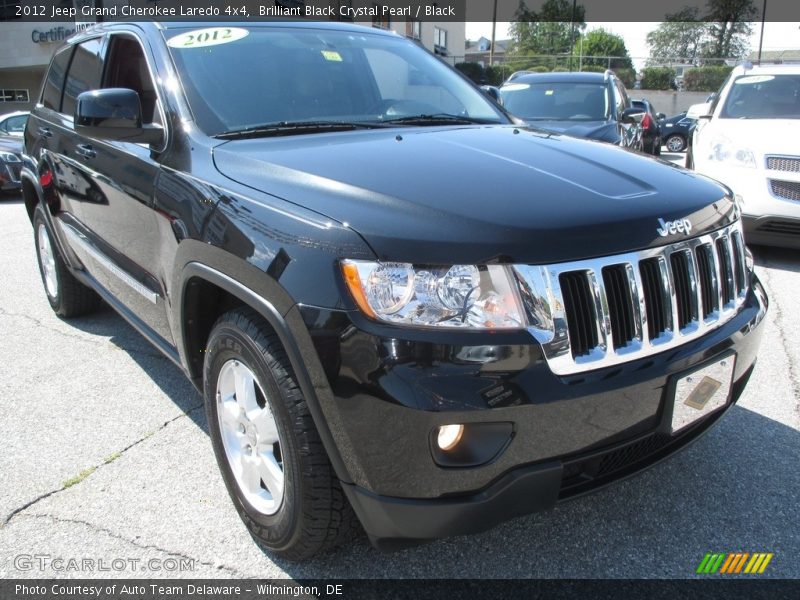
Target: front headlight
[
  {"x": 723, "y": 150},
  {"x": 463, "y": 296},
  {"x": 9, "y": 157}
]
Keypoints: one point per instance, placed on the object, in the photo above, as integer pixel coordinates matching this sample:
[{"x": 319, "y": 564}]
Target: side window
[
  {"x": 16, "y": 124},
  {"x": 54, "y": 84},
  {"x": 126, "y": 67},
  {"x": 84, "y": 74}
]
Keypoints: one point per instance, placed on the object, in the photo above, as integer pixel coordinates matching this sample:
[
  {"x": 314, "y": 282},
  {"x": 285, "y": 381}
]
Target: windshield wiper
[
  {"x": 293, "y": 128},
  {"x": 438, "y": 119}
]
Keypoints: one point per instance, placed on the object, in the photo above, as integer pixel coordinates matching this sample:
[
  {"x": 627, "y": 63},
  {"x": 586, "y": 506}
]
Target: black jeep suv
[
  {"x": 582, "y": 104},
  {"x": 399, "y": 305}
]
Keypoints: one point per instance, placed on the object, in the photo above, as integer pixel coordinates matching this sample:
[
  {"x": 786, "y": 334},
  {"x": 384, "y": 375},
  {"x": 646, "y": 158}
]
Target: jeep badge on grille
[{"x": 673, "y": 227}]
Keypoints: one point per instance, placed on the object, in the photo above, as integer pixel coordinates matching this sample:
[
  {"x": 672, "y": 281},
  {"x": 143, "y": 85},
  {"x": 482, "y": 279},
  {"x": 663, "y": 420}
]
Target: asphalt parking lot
[{"x": 104, "y": 455}]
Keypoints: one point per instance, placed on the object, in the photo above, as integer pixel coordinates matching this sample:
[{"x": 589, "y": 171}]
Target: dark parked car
[
  {"x": 651, "y": 130},
  {"x": 10, "y": 164},
  {"x": 677, "y": 131},
  {"x": 13, "y": 123},
  {"x": 318, "y": 241},
  {"x": 588, "y": 105}
]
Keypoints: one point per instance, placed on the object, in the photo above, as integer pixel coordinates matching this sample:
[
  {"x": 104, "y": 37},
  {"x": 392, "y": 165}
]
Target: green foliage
[
  {"x": 705, "y": 79},
  {"x": 472, "y": 70},
  {"x": 560, "y": 70},
  {"x": 593, "y": 69},
  {"x": 688, "y": 36},
  {"x": 549, "y": 31},
  {"x": 538, "y": 69},
  {"x": 678, "y": 38},
  {"x": 627, "y": 76},
  {"x": 496, "y": 75},
  {"x": 600, "y": 43},
  {"x": 658, "y": 78}
]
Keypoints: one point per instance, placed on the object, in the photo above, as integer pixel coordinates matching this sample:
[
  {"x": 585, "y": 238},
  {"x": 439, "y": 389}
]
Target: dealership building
[{"x": 26, "y": 49}]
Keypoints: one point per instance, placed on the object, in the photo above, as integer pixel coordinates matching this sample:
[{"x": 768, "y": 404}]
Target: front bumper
[
  {"x": 770, "y": 208},
  {"x": 570, "y": 435}
]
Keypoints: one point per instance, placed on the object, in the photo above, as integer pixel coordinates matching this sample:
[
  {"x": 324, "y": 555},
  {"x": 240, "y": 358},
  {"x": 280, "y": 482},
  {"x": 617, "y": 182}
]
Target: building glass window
[
  {"x": 414, "y": 29},
  {"x": 440, "y": 40},
  {"x": 13, "y": 95},
  {"x": 380, "y": 21}
]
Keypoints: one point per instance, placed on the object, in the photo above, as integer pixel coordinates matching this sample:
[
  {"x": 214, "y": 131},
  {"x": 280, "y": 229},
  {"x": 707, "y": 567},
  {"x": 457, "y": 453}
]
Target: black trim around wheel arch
[
  {"x": 66, "y": 256},
  {"x": 279, "y": 324}
]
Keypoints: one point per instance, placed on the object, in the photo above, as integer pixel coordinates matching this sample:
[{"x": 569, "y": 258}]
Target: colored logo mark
[{"x": 734, "y": 563}]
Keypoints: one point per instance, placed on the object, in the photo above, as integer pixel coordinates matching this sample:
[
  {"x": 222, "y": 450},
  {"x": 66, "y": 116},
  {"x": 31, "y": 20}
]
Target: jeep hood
[{"x": 479, "y": 193}]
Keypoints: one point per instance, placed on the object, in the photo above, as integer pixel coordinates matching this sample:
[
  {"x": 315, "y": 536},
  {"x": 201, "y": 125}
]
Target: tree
[
  {"x": 688, "y": 36},
  {"x": 679, "y": 37},
  {"x": 599, "y": 44},
  {"x": 552, "y": 30},
  {"x": 729, "y": 28}
]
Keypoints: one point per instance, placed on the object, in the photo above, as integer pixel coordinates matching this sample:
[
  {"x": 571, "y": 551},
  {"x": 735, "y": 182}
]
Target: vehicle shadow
[
  {"x": 167, "y": 376},
  {"x": 785, "y": 259},
  {"x": 734, "y": 490}
]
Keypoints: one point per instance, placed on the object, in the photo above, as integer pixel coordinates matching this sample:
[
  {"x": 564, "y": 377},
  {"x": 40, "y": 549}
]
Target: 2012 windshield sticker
[{"x": 210, "y": 36}]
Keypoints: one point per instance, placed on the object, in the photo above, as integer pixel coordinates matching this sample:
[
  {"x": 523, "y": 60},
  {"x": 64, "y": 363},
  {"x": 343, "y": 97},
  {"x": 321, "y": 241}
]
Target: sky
[{"x": 777, "y": 36}]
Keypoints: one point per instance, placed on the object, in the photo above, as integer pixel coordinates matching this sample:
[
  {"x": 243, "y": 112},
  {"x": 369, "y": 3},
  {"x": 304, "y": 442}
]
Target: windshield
[
  {"x": 238, "y": 78},
  {"x": 763, "y": 97},
  {"x": 562, "y": 101}
]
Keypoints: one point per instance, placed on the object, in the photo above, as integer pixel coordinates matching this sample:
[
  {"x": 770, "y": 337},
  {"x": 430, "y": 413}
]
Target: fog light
[{"x": 449, "y": 436}]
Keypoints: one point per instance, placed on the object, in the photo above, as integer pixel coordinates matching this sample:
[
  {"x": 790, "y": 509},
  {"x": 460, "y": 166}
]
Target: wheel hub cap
[{"x": 250, "y": 437}]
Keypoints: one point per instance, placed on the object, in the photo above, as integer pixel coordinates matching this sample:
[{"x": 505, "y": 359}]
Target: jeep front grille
[
  {"x": 602, "y": 312},
  {"x": 790, "y": 164}
]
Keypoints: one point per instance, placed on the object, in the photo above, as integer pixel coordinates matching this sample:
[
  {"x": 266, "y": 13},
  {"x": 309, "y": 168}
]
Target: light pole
[
  {"x": 761, "y": 37},
  {"x": 494, "y": 28}
]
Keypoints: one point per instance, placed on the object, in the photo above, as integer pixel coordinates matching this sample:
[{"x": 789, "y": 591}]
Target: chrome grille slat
[
  {"x": 555, "y": 325},
  {"x": 637, "y": 304}
]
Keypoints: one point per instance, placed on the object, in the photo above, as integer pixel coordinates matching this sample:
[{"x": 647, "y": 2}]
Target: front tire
[
  {"x": 67, "y": 296},
  {"x": 270, "y": 454}
]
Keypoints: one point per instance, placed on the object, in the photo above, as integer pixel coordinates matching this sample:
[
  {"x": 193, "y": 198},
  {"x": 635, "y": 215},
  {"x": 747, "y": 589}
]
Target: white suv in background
[{"x": 748, "y": 138}]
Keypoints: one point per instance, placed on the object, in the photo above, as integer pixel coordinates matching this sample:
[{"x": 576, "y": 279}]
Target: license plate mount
[{"x": 701, "y": 392}]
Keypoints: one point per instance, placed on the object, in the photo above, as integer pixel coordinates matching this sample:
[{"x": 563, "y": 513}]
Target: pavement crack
[
  {"x": 133, "y": 542},
  {"x": 794, "y": 369},
  {"x": 89, "y": 471},
  {"x": 37, "y": 323},
  {"x": 101, "y": 342}
]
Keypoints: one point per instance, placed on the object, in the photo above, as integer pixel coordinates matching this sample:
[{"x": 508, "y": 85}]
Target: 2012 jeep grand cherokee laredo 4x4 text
[{"x": 401, "y": 306}]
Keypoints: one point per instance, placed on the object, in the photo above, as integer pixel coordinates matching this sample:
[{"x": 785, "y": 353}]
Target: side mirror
[
  {"x": 493, "y": 93},
  {"x": 699, "y": 111},
  {"x": 661, "y": 116},
  {"x": 632, "y": 115},
  {"x": 114, "y": 114}
]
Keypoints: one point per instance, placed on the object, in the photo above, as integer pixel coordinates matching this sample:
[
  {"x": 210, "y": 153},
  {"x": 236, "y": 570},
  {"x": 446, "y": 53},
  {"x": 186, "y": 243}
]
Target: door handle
[
  {"x": 44, "y": 132},
  {"x": 85, "y": 150}
]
